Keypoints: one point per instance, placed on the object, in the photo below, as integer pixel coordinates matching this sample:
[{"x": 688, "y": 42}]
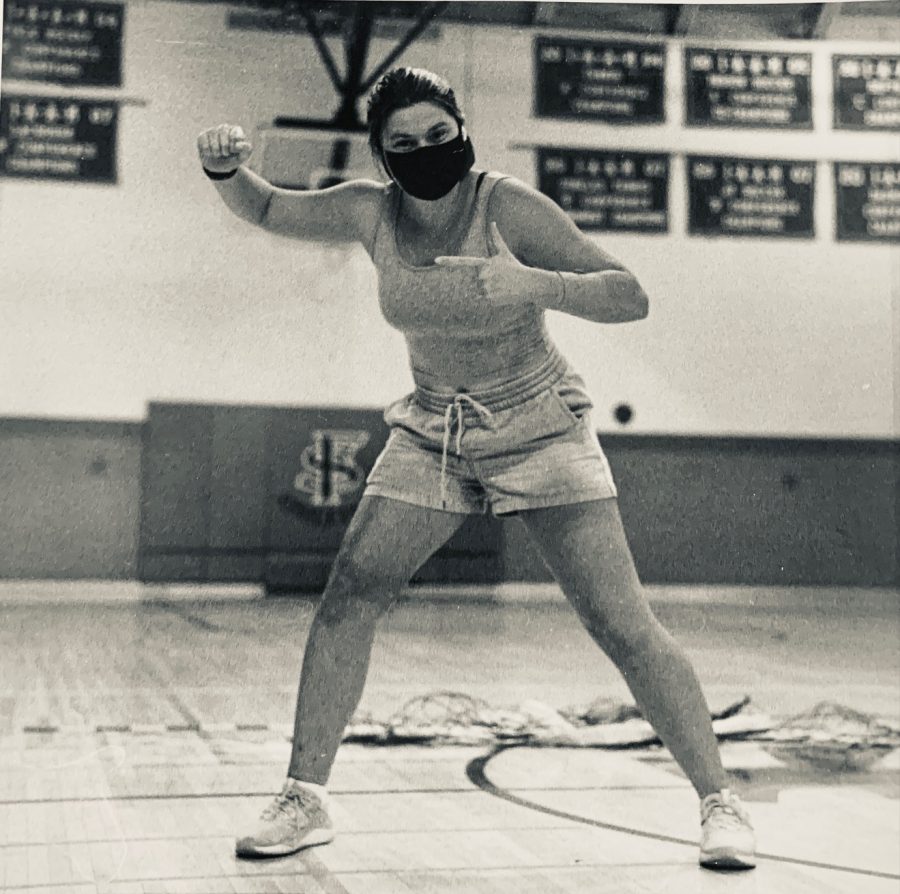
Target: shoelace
[
  {"x": 724, "y": 813},
  {"x": 281, "y": 804},
  {"x": 484, "y": 414}
]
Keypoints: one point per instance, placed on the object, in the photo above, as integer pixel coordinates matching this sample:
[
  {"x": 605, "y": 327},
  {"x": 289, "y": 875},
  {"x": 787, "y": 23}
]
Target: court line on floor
[
  {"x": 344, "y": 834},
  {"x": 195, "y": 796},
  {"x": 321, "y": 873},
  {"x": 476, "y": 771},
  {"x": 390, "y": 872}
]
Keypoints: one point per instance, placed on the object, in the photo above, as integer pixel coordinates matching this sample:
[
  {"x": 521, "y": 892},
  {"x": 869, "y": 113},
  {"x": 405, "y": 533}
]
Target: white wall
[{"x": 113, "y": 296}]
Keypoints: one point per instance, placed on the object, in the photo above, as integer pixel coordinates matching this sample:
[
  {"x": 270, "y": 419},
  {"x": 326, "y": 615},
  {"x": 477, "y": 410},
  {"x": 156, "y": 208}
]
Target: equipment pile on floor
[
  {"x": 832, "y": 737},
  {"x": 829, "y": 733}
]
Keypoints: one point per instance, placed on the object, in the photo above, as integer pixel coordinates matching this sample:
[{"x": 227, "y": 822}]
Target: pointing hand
[{"x": 502, "y": 278}]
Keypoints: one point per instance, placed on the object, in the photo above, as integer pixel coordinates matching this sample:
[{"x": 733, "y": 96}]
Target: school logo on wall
[{"x": 330, "y": 474}]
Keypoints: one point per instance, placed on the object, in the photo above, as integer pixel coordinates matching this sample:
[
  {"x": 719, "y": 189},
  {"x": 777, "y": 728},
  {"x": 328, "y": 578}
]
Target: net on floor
[
  {"x": 829, "y": 735},
  {"x": 457, "y": 718},
  {"x": 832, "y": 737}
]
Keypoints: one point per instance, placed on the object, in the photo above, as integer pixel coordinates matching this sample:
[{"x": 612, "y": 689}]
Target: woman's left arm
[{"x": 540, "y": 256}]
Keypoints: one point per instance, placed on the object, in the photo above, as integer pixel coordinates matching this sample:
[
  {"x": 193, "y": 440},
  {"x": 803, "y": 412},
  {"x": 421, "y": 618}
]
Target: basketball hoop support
[{"x": 356, "y": 50}]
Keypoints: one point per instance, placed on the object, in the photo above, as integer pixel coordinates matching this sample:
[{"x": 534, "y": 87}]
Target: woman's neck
[{"x": 440, "y": 214}]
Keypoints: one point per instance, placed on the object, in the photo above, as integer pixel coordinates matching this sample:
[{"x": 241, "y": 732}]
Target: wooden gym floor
[{"x": 138, "y": 736}]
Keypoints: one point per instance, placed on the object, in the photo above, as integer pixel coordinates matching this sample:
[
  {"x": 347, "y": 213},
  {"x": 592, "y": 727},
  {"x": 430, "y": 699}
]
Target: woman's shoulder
[
  {"x": 372, "y": 200},
  {"x": 513, "y": 199},
  {"x": 364, "y": 199},
  {"x": 512, "y": 189},
  {"x": 534, "y": 226}
]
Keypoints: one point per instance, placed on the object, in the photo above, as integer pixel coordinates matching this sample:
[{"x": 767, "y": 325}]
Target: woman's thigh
[
  {"x": 585, "y": 547},
  {"x": 387, "y": 541}
]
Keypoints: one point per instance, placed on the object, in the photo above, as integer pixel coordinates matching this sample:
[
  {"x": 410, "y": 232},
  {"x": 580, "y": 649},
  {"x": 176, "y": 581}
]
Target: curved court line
[{"x": 476, "y": 773}]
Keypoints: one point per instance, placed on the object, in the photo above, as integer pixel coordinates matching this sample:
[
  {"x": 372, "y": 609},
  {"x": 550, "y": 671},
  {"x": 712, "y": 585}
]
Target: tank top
[{"x": 456, "y": 339}]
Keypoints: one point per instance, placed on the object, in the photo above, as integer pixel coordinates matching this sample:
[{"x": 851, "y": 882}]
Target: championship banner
[
  {"x": 74, "y": 44},
  {"x": 750, "y": 197},
  {"x": 607, "y": 80},
  {"x": 866, "y": 92},
  {"x": 602, "y": 190},
  {"x": 867, "y": 201},
  {"x": 58, "y": 138},
  {"x": 748, "y": 88}
]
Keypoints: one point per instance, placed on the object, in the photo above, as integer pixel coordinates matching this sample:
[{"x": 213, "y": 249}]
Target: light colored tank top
[{"x": 456, "y": 340}]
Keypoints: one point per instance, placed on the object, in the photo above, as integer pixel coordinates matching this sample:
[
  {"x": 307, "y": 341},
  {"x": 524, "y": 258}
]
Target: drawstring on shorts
[
  {"x": 504, "y": 395},
  {"x": 458, "y": 404}
]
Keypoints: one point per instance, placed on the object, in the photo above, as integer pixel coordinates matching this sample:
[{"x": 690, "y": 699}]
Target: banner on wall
[
  {"x": 867, "y": 201},
  {"x": 58, "y": 138},
  {"x": 750, "y": 197},
  {"x": 748, "y": 88},
  {"x": 599, "y": 80},
  {"x": 622, "y": 191},
  {"x": 866, "y": 92},
  {"x": 76, "y": 44}
]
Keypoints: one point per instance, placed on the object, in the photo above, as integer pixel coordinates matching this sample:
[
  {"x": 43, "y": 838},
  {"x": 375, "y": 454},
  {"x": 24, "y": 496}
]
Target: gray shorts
[{"x": 528, "y": 444}]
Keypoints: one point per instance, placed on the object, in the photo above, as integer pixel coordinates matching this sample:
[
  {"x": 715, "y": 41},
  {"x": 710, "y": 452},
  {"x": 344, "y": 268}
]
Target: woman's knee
[
  {"x": 626, "y": 634},
  {"x": 650, "y": 646}
]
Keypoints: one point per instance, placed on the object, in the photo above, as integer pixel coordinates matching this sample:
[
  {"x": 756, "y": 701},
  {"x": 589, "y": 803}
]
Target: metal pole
[
  {"x": 324, "y": 53},
  {"x": 433, "y": 10},
  {"x": 356, "y": 50}
]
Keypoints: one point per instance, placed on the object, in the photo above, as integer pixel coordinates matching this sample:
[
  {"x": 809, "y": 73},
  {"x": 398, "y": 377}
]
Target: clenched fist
[{"x": 224, "y": 148}]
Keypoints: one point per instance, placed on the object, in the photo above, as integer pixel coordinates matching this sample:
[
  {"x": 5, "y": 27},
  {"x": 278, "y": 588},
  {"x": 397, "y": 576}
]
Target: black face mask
[{"x": 431, "y": 172}]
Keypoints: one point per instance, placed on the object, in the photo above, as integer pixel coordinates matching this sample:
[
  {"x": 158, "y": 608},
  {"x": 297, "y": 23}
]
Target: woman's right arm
[{"x": 347, "y": 212}]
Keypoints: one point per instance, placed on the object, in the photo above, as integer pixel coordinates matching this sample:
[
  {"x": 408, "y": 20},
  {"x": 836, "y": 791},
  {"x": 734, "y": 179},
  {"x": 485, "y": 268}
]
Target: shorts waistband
[{"x": 503, "y": 396}]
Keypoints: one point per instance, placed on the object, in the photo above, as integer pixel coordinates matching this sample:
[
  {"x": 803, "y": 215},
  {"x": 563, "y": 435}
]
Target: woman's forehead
[{"x": 419, "y": 118}]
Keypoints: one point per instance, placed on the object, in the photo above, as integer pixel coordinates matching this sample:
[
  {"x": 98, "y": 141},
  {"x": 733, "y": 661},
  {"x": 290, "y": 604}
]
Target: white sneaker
[
  {"x": 296, "y": 819},
  {"x": 727, "y": 837}
]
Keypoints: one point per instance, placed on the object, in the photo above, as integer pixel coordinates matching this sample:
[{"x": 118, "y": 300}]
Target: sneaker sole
[
  {"x": 317, "y": 837},
  {"x": 726, "y": 859}
]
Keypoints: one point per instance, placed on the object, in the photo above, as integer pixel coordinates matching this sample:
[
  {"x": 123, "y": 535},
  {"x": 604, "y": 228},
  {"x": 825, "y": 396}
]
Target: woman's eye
[{"x": 433, "y": 138}]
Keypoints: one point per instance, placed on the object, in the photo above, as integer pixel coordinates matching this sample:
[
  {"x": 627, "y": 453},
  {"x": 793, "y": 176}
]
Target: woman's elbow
[
  {"x": 643, "y": 303},
  {"x": 639, "y": 303}
]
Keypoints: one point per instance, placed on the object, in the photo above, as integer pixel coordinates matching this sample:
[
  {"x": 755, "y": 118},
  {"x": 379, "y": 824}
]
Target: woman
[{"x": 468, "y": 261}]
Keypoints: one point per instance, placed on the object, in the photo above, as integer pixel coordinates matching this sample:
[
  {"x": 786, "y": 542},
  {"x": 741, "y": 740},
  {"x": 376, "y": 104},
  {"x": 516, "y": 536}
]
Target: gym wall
[{"x": 115, "y": 297}]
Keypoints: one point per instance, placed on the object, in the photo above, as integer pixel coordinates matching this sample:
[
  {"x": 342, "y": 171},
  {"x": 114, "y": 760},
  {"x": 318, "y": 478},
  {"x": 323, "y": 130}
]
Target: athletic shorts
[{"x": 526, "y": 444}]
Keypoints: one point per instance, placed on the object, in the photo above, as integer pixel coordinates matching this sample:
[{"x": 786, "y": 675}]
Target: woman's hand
[
  {"x": 502, "y": 277},
  {"x": 223, "y": 149}
]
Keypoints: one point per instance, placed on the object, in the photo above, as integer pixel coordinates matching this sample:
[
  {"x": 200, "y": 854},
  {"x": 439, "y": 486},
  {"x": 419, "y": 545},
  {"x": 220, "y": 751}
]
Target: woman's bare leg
[
  {"x": 386, "y": 542},
  {"x": 587, "y": 551}
]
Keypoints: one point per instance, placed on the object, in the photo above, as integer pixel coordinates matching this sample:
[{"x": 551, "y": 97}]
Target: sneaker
[
  {"x": 727, "y": 837},
  {"x": 296, "y": 819}
]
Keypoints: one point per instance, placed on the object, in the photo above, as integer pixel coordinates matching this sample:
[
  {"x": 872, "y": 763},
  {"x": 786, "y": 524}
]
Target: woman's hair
[{"x": 401, "y": 88}]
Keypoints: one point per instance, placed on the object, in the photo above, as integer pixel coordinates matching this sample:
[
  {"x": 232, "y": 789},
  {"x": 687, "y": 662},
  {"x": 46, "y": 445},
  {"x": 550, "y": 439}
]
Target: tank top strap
[
  {"x": 481, "y": 218},
  {"x": 385, "y": 217}
]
